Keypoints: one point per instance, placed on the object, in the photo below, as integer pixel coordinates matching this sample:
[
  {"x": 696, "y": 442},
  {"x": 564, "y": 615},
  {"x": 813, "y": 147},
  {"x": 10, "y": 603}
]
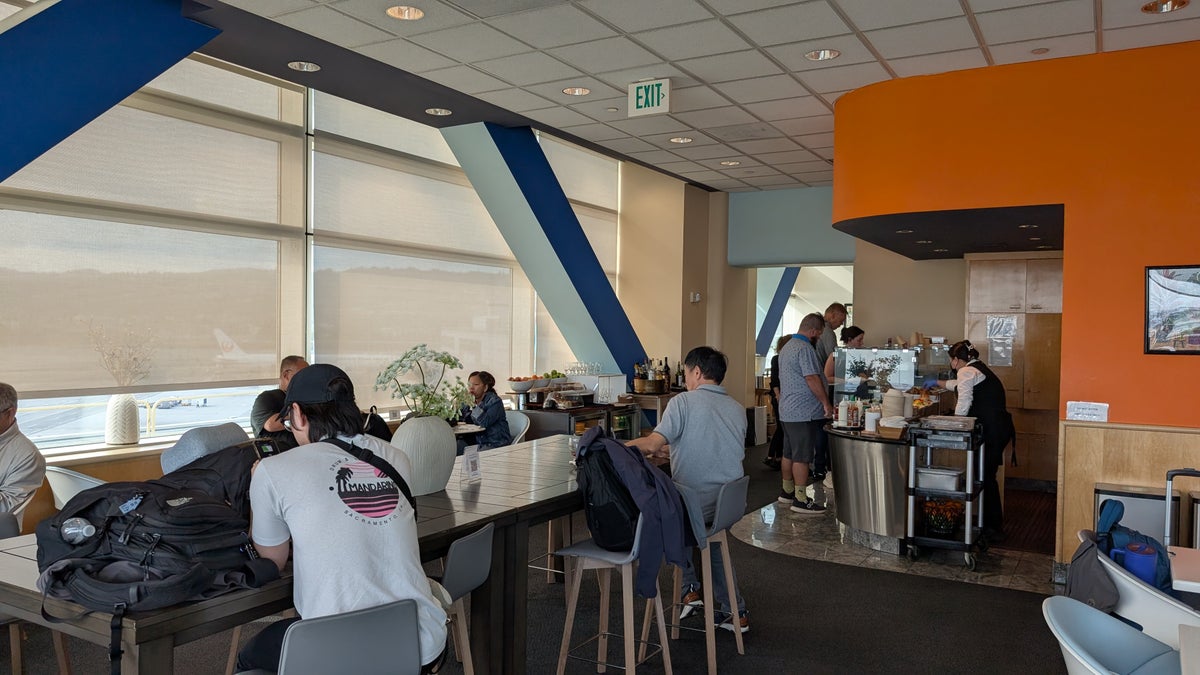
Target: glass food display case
[{"x": 856, "y": 372}]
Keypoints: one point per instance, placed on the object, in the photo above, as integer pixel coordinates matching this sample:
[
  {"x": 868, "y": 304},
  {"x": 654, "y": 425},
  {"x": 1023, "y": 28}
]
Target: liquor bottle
[{"x": 679, "y": 380}]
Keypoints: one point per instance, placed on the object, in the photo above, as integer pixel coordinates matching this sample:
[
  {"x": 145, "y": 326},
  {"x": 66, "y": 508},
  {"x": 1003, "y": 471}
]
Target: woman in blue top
[{"x": 488, "y": 412}]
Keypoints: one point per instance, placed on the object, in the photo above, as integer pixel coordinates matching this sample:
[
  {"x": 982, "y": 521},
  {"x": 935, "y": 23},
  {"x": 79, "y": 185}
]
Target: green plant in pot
[{"x": 420, "y": 378}]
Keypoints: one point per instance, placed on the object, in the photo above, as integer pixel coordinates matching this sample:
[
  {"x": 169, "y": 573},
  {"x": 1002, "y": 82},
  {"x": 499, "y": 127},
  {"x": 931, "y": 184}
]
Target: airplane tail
[{"x": 229, "y": 348}]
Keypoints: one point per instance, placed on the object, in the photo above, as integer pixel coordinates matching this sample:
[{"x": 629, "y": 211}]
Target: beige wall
[
  {"x": 694, "y": 327},
  {"x": 729, "y": 302},
  {"x": 896, "y": 296}
]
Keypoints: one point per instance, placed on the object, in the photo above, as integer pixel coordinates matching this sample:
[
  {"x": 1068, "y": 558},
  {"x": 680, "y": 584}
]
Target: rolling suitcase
[{"x": 1167, "y": 518}]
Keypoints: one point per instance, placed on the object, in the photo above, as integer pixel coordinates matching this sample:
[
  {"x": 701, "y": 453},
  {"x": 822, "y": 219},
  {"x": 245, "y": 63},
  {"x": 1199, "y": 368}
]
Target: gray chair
[
  {"x": 468, "y": 563},
  {"x": 518, "y": 424},
  {"x": 65, "y": 484},
  {"x": 201, "y": 441},
  {"x": 1157, "y": 613},
  {"x": 587, "y": 555},
  {"x": 10, "y": 528},
  {"x": 1093, "y": 642},
  {"x": 731, "y": 506},
  {"x": 383, "y": 640}
]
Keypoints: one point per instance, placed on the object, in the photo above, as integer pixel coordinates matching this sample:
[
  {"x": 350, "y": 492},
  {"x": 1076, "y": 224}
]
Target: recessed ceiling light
[
  {"x": 1164, "y": 6},
  {"x": 1040, "y": 50},
  {"x": 304, "y": 66},
  {"x": 613, "y": 109},
  {"x": 941, "y": 250},
  {"x": 924, "y": 241},
  {"x": 822, "y": 54},
  {"x": 730, "y": 162},
  {"x": 405, "y": 13},
  {"x": 577, "y": 91},
  {"x": 681, "y": 139},
  {"x": 904, "y": 231},
  {"x": 1035, "y": 239},
  {"x": 1027, "y": 226},
  {"x": 438, "y": 112}
]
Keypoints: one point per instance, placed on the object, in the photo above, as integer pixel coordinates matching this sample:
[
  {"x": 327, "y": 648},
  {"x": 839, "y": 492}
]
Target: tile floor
[{"x": 820, "y": 537}]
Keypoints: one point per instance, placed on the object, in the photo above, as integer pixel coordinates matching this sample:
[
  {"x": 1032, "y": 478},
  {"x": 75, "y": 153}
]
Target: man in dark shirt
[{"x": 264, "y": 416}]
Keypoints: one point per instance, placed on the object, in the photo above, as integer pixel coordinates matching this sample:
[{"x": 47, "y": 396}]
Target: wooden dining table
[{"x": 522, "y": 485}]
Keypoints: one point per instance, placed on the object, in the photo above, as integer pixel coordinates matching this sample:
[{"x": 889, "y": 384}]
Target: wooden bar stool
[{"x": 589, "y": 556}]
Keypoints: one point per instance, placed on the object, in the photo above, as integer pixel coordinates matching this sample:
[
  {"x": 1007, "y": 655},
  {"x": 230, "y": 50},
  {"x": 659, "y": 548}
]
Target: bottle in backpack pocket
[{"x": 77, "y": 530}]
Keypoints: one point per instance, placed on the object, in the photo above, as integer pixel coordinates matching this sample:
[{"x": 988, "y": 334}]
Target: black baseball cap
[{"x": 311, "y": 385}]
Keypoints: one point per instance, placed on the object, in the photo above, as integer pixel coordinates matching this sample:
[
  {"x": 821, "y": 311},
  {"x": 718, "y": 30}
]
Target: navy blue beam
[
  {"x": 775, "y": 312},
  {"x": 62, "y": 64}
]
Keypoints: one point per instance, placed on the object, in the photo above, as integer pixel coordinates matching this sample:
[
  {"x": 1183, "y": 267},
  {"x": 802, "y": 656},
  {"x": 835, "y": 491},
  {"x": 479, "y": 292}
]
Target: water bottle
[{"x": 77, "y": 530}]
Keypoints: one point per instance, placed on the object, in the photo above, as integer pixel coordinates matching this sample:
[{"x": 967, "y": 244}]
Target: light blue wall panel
[{"x": 786, "y": 227}]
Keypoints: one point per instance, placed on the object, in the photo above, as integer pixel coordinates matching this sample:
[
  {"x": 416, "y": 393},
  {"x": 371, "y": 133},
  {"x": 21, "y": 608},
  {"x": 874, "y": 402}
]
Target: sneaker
[
  {"x": 724, "y": 620},
  {"x": 817, "y": 477},
  {"x": 786, "y": 497},
  {"x": 692, "y": 602},
  {"x": 807, "y": 506}
]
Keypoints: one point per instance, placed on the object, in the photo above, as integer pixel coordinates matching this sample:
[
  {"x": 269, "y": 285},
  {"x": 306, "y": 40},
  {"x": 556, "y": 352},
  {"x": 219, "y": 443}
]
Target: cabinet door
[
  {"x": 1043, "y": 286},
  {"x": 1012, "y": 376},
  {"x": 1043, "y": 342},
  {"x": 996, "y": 286}
]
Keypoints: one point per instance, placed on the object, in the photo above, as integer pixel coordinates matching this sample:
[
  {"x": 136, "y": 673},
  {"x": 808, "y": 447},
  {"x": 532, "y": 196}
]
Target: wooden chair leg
[
  {"x": 234, "y": 643},
  {"x": 14, "y": 646},
  {"x": 462, "y": 642},
  {"x": 630, "y": 634},
  {"x": 710, "y": 619},
  {"x": 572, "y": 601},
  {"x": 552, "y": 545},
  {"x": 644, "y": 645},
  {"x": 723, "y": 538},
  {"x": 675, "y": 600},
  {"x": 662, "y": 634},
  {"x": 60, "y": 652},
  {"x": 604, "y": 577}
]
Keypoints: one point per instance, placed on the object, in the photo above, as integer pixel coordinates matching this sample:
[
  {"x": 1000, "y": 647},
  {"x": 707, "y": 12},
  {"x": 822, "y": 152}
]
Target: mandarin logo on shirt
[{"x": 369, "y": 495}]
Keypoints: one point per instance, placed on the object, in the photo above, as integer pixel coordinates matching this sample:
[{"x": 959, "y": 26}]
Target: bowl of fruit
[
  {"x": 522, "y": 384},
  {"x": 555, "y": 377}
]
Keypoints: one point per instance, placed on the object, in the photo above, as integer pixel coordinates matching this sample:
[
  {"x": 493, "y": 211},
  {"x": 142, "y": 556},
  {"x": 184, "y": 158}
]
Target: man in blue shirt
[{"x": 803, "y": 408}]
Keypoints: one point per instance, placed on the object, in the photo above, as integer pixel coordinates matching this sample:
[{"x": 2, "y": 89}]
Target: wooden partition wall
[{"x": 1126, "y": 454}]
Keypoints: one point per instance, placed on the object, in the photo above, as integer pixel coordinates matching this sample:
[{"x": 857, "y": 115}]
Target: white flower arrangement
[{"x": 444, "y": 398}]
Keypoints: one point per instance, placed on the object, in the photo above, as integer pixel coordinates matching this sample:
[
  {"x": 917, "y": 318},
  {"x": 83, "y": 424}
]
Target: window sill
[{"x": 70, "y": 455}]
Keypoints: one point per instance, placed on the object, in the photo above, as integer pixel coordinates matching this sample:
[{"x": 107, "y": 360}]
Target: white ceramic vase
[
  {"x": 121, "y": 423},
  {"x": 430, "y": 445}
]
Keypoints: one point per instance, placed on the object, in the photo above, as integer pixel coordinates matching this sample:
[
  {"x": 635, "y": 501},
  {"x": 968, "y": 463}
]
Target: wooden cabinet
[
  {"x": 1043, "y": 343},
  {"x": 1043, "y": 286},
  {"x": 996, "y": 286},
  {"x": 1012, "y": 376}
]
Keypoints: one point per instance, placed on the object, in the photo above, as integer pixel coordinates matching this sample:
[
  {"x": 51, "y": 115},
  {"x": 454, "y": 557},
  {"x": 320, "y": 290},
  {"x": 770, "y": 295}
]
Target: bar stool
[
  {"x": 589, "y": 556},
  {"x": 731, "y": 506}
]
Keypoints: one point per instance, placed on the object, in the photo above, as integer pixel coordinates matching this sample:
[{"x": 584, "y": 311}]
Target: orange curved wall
[{"x": 1113, "y": 137}]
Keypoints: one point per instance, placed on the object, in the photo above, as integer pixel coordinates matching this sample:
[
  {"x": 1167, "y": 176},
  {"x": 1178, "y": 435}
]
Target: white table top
[
  {"x": 1185, "y": 568},
  {"x": 1189, "y": 649}
]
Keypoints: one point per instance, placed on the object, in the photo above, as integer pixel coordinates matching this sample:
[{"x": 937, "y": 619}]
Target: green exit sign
[{"x": 649, "y": 98}]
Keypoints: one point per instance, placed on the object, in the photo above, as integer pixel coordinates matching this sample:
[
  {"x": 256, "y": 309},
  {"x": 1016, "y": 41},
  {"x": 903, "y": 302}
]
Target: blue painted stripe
[
  {"x": 775, "y": 312},
  {"x": 525, "y": 160},
  {"x": 63, "y": 66}
]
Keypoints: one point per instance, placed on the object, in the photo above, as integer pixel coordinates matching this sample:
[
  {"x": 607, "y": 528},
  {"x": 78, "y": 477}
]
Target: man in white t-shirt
[{"x": 352, "y": 532}]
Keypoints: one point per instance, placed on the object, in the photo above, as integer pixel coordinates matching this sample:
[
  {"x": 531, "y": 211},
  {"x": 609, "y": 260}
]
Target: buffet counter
[{"x": 870, "y": 480}]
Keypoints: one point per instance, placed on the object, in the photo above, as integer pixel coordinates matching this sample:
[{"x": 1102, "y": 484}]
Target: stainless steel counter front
[{"x": 870, "y": 479}]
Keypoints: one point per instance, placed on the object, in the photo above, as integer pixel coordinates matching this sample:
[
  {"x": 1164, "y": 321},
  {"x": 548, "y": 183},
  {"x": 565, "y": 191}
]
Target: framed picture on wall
[{"x": 1173, "y": 310}]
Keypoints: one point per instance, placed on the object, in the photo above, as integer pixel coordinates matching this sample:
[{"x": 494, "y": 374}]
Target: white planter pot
[
  {"x": 121, "y": 424},
  {"x": 430, "y": 445}
]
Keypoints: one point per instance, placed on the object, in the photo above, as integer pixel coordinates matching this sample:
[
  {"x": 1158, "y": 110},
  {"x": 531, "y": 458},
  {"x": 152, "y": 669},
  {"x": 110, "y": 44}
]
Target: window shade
[
  {"x": 353, "y": 120},
  {"x": 211, "y": 84}
]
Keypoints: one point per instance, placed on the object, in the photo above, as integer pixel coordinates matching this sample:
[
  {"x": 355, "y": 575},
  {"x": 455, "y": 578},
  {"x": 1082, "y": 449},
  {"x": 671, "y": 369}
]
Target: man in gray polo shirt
[
  {"x": 803, "y": 408},
  {"x": 703, "y": 431}
]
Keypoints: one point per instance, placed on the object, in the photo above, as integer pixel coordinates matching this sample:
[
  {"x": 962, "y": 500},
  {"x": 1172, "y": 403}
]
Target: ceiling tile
[
  {"x": 650, "y": 124},
  {"x": 744, "y": 132},
  {"x": 816, "y": 175},
  {"x": 766, "y": 146},
  {"x": 472, "y": 42},
  {"x": 405, "y": 55},
  {"x": 731, "y": 7},
  {"x": 827, "y": 153},
  {"x": 516, "y": 100},
  {"x": 528, "y": 68},
  {"x": 772, "y": 181},
  {"x": 707, "y": 152},
  {"x": 552, "y": 26},
  {"x": 872, "y": 14},
  {"x": 820, "y": 183},
  {"x": 632, "y": 15},
  {"x": 844, "y": 77},
  {"x": 554, "y": 90},
  {"x": 438, "y": 15},
  {"x": 703, "y": 175},
  {"x": 680, "y": 167},
  {"x": 655, "y": 156},
  {"x": 654, "y": 71},
  {"x": 715, "y": 162},
  {"x": 596, "y": 132},
  {"x": 938, "y": 63},
  {"x": 1153, "y": 34},
  {"x": 815, "y": 141},
  {"x": 598, "y": 109},
  {"x": 465, "y": 79},
  {"x": 792, "y": 23},
  {"x": 1066, "y": 45},
  {"x": 923, "y": 38},
  {"x": 775, "y": 158},
  {"x": 664, "y": 141},
  {"x": 1027, "y": 23},
  {"x": 763, "y": 89},
  {"x": 494, "y": 8},
  {"x": 802, "y": 106},
  {"x": 728, "y": 184},
  {"x": 1121, "y": 13},
  {"x": 559, "y": 116},
  {"x": 691, "y": 40},
  {"x": 978, "y": 6},
  {"x": 716, "y": 117},
  {"x": 616, "y": 53},
  {"x": 748, "y": 171},
  {"x": 804, "y": 167},
  {"x": 853, "y": 51},
  {"x": 805, "y": 125},
  {"x": 270, "y": 8},
  {"x": 334, "y": 27},
  {"x": 695, "y": 98},
  {"x": 833, "y": 96},
  {"x": 628, "y": 145},
  {"x": 726, "y": 67}
]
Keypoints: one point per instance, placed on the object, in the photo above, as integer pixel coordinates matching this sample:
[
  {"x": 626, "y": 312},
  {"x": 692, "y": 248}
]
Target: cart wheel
[
  {"x": 913, "y": 552},
  {"x": 983, "y": 544},
  {"x": 969, "y": 559}
]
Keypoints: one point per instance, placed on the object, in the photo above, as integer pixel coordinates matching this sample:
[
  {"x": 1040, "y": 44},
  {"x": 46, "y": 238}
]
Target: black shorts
[{"x": 800, "y": 440}]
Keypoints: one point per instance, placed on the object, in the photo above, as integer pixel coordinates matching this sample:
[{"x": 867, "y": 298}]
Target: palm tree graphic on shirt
[{"x": 366, "y": 490}]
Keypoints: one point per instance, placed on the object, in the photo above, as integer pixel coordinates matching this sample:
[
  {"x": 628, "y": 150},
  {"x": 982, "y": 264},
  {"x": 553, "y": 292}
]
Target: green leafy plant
[{"x": 408, "y": 378}]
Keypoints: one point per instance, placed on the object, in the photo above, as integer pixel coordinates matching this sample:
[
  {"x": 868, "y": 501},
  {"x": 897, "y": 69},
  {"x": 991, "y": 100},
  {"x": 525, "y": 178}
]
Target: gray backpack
[{"x": 1088, "y": 581}]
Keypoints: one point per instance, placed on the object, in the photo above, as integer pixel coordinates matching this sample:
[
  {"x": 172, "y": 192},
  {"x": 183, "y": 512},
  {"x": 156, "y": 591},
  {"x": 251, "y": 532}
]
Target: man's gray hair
[
  {"x": 812, "y": 321},
  {"x": 8, "y": 396}
]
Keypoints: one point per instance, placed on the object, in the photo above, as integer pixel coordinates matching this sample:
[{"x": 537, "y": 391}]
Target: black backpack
[{"x": 608, "y": 507}]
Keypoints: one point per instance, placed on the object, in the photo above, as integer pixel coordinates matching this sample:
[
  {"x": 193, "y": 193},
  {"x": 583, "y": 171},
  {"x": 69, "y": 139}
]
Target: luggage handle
[{"x": 1171, "y": 475}]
